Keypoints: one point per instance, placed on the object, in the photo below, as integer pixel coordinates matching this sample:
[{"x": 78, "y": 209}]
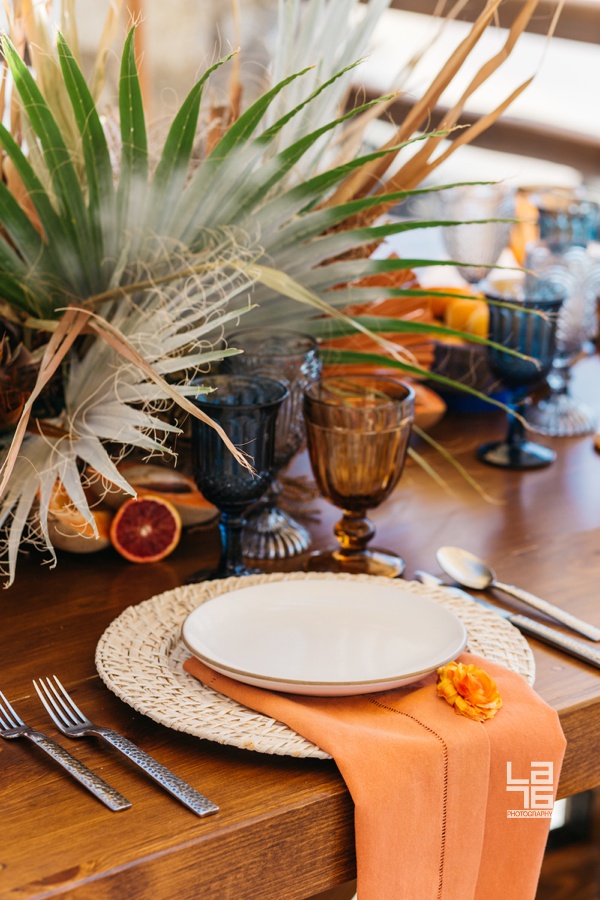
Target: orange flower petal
[{"x": 470, "y": 690}]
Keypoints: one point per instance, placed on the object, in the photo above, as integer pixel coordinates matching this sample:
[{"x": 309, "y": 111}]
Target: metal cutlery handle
[
  {"x": 557, "y": 639},
  {"x": 543, "y": 632},
  {"x": 589, "y": 631},
  {"x": 96, "y": 785},
  {"x": 182, "y": 791}
]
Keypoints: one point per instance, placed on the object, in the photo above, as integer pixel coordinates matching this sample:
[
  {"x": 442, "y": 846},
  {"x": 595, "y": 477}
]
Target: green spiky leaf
[
  {"x": 133, "y": 181},
  {"x": 73, "y": 224},
  {"x": 98, "y": 167},
  {"x": 172, "y": 170}
]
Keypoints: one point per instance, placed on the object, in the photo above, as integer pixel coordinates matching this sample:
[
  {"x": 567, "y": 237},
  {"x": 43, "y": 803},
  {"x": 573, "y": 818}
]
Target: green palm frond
[
  {"x": 307, "y": 30},
  {"x": 133, "y": 176},
  {"x": 68, "y": 193},
  {"x": 98, "y": 166}
]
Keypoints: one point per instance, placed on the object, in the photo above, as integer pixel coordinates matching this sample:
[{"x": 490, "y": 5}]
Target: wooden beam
[
  {"x": 579, "y": 19},
  {"x": 511, "y": 135}
]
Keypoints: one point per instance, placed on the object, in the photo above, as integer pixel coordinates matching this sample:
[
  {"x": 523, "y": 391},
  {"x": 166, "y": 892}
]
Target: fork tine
[
  {"x": 9, "y": 712},
  {"x": 54, "y": 714},
  {"x": 59, "y": 704},
  {"x": 72, "y": 705}
]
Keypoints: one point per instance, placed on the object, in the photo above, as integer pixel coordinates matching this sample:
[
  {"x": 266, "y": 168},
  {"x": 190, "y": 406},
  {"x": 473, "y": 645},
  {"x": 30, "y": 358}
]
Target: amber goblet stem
[{"x": 354, "y": 531}]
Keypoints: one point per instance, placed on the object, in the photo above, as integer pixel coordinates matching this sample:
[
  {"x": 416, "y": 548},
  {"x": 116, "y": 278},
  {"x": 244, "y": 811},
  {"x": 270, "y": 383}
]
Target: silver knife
[{"x": 557, "y": 639}]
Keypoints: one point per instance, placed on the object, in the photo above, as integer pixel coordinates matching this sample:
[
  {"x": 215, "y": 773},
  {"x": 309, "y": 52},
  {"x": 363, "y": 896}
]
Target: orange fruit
[
  {"x": 439, "y": 299},
  {"x": 478, "y": 322},
  {"x": 168, "y": 483},
  {"x": 526, "y": 229},
  {"x": 146, "y": 529},
  {"x": 70, "y": 531},
  {"x": 458, "y": 312}
]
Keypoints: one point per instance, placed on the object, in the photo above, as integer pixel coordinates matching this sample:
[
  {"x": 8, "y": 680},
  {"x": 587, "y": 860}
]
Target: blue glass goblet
[
  {"x": 568, "y": 222},
  {"x": 293, "y": 358},
  {"x": 566, "y": 217},
  {"x": 528, "y": 326},
  {"x": 246, "y": 408}
]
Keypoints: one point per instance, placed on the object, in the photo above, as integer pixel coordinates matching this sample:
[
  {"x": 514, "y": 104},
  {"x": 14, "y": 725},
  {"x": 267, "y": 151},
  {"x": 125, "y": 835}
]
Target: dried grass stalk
[{"x": 370, "y": 176}]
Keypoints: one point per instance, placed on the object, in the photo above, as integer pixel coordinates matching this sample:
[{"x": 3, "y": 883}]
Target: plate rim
[
  {"x": 410, "y": 596},
  {"x": 391, "y": 680}
]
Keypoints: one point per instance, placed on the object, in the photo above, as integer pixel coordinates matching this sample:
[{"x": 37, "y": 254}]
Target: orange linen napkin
[{"x": 429, "y": 786}]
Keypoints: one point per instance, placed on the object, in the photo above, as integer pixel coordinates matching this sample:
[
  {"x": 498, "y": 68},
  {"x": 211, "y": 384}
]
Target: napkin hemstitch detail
[{"x": 445, "y": 758}]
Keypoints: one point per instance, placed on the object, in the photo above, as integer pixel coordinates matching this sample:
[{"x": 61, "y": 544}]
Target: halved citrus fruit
[
  {"x": 146, "y": 529},
  {"x": 168, "y": 483},
  {"x": 69, "y": 530}
]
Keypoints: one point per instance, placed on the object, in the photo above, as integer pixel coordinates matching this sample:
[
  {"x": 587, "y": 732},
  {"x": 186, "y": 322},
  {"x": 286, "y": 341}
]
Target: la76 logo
[{"x": 537, "y": 789}]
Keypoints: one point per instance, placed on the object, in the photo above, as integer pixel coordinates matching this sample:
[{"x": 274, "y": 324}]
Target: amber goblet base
[{"x": 353, "y": 555}]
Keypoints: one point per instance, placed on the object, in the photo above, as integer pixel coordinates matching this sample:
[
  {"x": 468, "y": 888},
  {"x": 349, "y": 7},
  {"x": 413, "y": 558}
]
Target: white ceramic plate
[{"x": 323, "y": 637}]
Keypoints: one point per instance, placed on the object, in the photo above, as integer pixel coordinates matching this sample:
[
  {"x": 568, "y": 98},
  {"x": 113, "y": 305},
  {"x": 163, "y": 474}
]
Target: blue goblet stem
[
  {"x": 515, "y": 435},
  {"x": 515, "y": 451},
  {"x": 231, "y": 527}
]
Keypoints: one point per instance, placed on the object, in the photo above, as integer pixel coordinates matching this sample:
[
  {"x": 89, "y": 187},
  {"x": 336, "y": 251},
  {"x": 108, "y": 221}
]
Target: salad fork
[
  {"x": 13, "y": 726},
  {"x": 69, "y": 719}
]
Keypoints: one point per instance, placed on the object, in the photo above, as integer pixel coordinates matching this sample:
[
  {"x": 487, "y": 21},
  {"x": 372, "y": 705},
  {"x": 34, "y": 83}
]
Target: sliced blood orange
[{"x": 146, "y": 529}]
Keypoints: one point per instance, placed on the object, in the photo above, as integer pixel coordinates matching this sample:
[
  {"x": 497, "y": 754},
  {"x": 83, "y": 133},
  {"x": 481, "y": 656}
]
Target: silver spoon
[{"x": 472, "y": 572}]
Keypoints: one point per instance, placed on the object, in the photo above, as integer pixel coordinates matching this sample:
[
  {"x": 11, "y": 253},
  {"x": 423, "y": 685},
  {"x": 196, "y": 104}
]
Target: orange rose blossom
[{"x": 470, "y": 690}]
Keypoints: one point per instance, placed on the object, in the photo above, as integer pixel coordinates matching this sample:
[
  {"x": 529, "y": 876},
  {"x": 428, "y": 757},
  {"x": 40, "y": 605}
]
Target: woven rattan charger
[{"x": 140, "y": 658}]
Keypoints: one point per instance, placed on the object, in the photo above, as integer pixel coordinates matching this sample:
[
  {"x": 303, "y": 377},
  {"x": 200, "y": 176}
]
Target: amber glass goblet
[{"x": 357, "y": 431}]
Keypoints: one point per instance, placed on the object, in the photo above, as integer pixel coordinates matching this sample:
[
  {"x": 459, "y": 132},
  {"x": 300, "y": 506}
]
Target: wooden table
[{"x": 285, "y": 825}]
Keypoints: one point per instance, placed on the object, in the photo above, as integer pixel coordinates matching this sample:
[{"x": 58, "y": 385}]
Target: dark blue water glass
[
  {"x": 528, "y": 326},
  {"x": 292, "y": 357},
  {"x": 246, "y": 408}
]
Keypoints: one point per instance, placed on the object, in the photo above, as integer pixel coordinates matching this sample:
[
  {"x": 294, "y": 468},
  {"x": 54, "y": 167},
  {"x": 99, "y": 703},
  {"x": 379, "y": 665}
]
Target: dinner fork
[
  {"x": 69, "y": 719},
  {"x": 13, "y": 726}
]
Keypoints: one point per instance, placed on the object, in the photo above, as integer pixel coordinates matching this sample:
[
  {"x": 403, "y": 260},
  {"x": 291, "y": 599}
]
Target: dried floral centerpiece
[{"x": 127, "y": 275}]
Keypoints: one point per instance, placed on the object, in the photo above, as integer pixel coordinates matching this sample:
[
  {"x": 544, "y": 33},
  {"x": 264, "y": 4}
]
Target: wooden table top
[{"x": 285, "y": 825}]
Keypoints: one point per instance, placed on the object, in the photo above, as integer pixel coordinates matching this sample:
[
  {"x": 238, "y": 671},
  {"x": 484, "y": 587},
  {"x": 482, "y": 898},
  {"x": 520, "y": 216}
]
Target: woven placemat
[{"x": 140, "y": 658}]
